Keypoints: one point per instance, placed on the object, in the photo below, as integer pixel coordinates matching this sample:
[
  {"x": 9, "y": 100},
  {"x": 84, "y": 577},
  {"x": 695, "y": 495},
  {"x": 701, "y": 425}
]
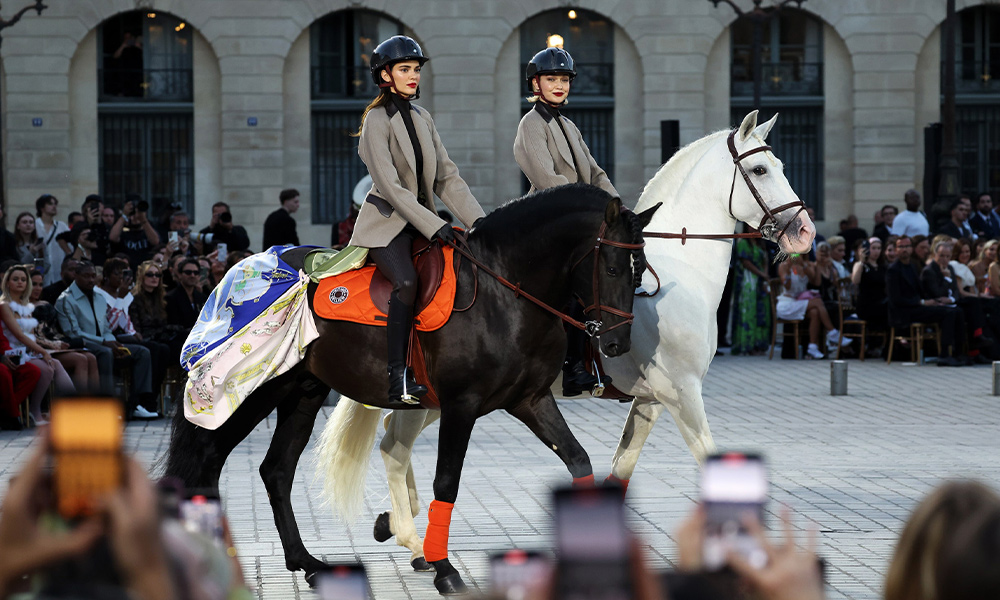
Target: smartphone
[
  {"x": 40, "y": 264},
  {"x": 343, "y": 582},
  {"x": 173, "y": 236},
  {"x": 592, "y": 544},
  {"x": 223, "y": 252},
  {"x": 733, "y": 487},
  {"x": 86, "y": 443},
  {"x": 202, "y": 513},
  {"x": 516, "y": 574}
]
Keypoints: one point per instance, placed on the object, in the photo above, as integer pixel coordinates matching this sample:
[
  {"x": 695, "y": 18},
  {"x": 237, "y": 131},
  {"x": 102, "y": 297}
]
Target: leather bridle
[{"x": 594, "y": 327}]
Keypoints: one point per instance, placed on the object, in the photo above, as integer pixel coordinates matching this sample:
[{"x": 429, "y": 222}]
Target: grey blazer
[
  {"x": 392, "y": 202},
  {"x": 76, "y": 317},
  {"x": 541, "y": 151}
]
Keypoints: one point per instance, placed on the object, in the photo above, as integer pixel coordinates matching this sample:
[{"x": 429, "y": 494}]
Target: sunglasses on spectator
[
  {"x": 188, "y": 272},
  {"x": 156, "y": 275}
]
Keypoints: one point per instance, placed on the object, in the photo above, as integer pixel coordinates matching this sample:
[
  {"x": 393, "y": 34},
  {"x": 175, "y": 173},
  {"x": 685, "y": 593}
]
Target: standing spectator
[
  {"x": 132, "y": 232},
  {"x": 752, "y": 314},
  {"x": 224, "y": 231},
  {"x": 84, "y": 313},
  {"x": 185, "y": 301},
  {"x": 48, "y": 228},
  {"x": 73, "y": 218},
  {"x": 16, "y": 384},
  {"x": 956, "y": 227},
  {"x": 902, "y": 286},
  {"x": 8, "y": 249},
  {"x": 108, "y": 216},
  {"x": 97, "y": 239},
  {"x": 852, "y": 233},
  {"x": 912, "y": 222},
  {"x": 884, "y": 229},
  {"x": 279, "y": 228},
  {"x": 29, "y": 246},
  {"x": 985, "y": 223},
  {"x": 19, "y": 329},
  {"x": 67, "y": 275}
]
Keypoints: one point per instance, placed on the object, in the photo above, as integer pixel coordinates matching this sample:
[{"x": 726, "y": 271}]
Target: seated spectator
[
  {"x": 921, "y": 250},
  {"x": 961, "y": 255},
  {"x": 19, "y": 329},
  {"x": 17, "y": 381},
  {"x": 223, "y": 231},
  {"x": 752, "y": 312},
  {"x": 8, "y": 249},
  {"x": 796, "y": 303},
  {"x": 235, "y": 257},
  {"x": 980, "y": 267},
  {"x": 884, "y": 229},
  {"x": 948, "y": 548},
  {"x": 185, "y": 301},
  {"x": 956, "y": 227},
  {"x": 851, "y": 233},
  {"x": 838, "y": 251},
  {"x": 902, "y": 285},
  {"x": 148, "y": 310},
  {"x": 29, "y": 245},
  {"x": 217, "y": 270},
  {"x": 84, "y": 313},
  {"x": 97, "y": 247},
  {"x": 132, "y": 233},
  {"x": 868, "y": 275},
  {"x": 985, "y": 223},
  {"x": 172, "y": 278},
  {"x": 67, "y": 275},
  {"x": 824, "y": 274},
  {"x": 939, "y": 284},
  {"x": 889, "y": 249}
]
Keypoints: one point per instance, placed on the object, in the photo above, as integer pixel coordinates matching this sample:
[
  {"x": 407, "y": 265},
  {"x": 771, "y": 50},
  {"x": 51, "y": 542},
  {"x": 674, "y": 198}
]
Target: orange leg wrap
[
  {"x": 584, "y": 482},
  {"x": 438, "y": 522},
  {"x": 621, "y": 482}
]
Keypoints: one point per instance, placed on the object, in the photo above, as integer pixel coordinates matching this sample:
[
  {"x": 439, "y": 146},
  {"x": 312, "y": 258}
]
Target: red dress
[{"x": 16, "y": 384}]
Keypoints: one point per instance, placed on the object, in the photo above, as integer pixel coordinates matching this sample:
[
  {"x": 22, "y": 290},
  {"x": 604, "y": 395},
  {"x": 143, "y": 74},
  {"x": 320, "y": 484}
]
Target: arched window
[
  {"x": 145, "y": 110},
  {"x": 589, "y": 37},
  {"x": 791, "y": 84},
  {"x": 977, "y": 100},
  {"x": 341, "y": 45}
]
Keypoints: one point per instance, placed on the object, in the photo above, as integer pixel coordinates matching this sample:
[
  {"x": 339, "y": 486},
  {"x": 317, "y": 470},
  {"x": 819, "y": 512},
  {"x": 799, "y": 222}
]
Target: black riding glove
[{"x": 446, "y": 234}]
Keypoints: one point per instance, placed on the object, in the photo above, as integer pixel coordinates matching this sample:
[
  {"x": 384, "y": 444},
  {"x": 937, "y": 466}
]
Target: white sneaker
[
  {"x": 141, "y": 413},
  {"x": 831, "y": 338},
  {"x": 813, "y": 351}
]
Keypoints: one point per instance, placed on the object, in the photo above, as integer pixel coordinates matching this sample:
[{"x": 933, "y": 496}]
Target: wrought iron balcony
[
  {"x": 146, "y": 85},
  {"x": 779, "y": 79},
  {"x": 592, "y": 79}
]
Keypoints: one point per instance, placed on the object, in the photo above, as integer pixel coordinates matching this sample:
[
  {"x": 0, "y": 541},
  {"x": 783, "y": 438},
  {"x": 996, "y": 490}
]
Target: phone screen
[
  {"x": 343, "y": 582},
  {"x": 593, "y": 545},
  {"x": 40, "y": 264},
  {"x": 203, "y": 514},
  {"x": 733, "y": 485},
  {"x": 173, "y": 236},
  {"x": 223, "y": 251},
  {"x": 86, "y": 442},
  {"x": 518, "y": 574}
]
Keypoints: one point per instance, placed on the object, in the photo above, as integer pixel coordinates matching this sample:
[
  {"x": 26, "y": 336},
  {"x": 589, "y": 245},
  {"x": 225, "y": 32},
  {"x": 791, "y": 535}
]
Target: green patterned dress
[{"x": 752, "y": 314}]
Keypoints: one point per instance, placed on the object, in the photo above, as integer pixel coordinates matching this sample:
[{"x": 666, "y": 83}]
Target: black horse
[{"x": 503, "y": 353}]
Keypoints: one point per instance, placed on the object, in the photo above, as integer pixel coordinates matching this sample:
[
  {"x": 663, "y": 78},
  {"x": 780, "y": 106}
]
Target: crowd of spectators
[
  {"x": 106, "y": 291},
  {"x": 902, "y": 273}
]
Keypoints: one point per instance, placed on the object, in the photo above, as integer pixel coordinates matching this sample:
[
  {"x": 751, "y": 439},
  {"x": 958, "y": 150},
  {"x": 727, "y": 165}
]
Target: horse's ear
[
  {"x": 765, "y": 128},
  {"x": 646, "y": 216},
  {"x": 748, "y": 125},
  {"x": 613, "y": 211}
]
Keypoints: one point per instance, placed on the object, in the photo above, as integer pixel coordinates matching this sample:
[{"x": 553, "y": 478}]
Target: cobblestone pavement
[{"x": 853, "y": 466}]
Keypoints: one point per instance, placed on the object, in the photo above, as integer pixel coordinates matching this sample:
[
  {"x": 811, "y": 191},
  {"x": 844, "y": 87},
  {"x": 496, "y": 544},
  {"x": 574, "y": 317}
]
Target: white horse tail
[{"x": 344, "y": 450}]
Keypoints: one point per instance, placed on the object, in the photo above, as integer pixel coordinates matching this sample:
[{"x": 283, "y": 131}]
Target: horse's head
[
  {"x": 607, "y": 276},
  {"x": 760, "y": 194}
]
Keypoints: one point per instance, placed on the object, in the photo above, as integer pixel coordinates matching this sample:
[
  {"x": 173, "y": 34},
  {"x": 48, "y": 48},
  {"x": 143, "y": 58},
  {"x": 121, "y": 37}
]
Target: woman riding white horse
[{"x": 674, "y": 335}]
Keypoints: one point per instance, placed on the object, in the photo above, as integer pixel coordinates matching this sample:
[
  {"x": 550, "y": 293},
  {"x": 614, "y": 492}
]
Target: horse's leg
[
  {"x": 401, "y": 431},
  {"x": 543, "y": 418},
  {"x": 689, "y": 414},
  {"x": 641, "y": 418},
  {"x": 456, "y": 429},
  {"x": 296, "y": 418}
]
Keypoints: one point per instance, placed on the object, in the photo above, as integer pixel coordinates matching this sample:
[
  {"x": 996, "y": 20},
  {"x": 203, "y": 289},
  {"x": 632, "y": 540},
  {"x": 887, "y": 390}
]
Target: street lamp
[
  {"x": 4, "y": 24},
  {"x": 758, "y": 15}
]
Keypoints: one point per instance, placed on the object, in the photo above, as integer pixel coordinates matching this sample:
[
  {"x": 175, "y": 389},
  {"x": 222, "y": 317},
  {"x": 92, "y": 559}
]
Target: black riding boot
[
  {"x": 403, "y": 388},
  {"x": 576, "y": 379}
]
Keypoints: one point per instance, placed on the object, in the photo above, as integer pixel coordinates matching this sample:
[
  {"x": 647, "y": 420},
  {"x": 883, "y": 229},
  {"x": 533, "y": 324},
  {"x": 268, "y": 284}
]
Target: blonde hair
[{"x": 5, "y": 286}]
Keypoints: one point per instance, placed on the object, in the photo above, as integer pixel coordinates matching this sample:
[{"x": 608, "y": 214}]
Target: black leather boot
[
  {"x": 576, "y": 379},
  {"x": 403, "y": 388}
]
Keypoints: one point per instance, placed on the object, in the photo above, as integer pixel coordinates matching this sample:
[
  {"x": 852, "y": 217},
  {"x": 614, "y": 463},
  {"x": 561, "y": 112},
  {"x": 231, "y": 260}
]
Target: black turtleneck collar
[
  {"x": 547, "y": 111},
  {"x": 397, "y": 104}
]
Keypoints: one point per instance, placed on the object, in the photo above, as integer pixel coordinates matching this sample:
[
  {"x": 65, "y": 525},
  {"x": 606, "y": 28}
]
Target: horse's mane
[
  {"x": 670, "y": 176},
  {"x": 541, "y": 208}
]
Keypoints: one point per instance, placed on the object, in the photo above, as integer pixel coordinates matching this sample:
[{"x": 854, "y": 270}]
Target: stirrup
[{"x": 598, "y": 389}]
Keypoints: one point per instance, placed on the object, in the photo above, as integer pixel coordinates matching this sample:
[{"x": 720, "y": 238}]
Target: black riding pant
[{"x": 395, "y": 262}]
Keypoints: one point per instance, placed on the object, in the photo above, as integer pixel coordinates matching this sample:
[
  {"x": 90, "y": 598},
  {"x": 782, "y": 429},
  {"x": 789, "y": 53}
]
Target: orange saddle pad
[{"x": 352, "y": 296}]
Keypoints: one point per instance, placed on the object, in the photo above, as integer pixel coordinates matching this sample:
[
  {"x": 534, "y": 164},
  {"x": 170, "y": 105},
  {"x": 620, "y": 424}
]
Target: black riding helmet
[
  {"x": 391, "y": 51},
  {"x": 549, "y": 62}
]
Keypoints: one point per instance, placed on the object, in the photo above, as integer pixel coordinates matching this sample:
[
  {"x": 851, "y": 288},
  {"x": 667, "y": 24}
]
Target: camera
[
  {"x": 142, "y": 206},
  {"x": 226, "y": 217},
  {"x": 205, "y": 238}
]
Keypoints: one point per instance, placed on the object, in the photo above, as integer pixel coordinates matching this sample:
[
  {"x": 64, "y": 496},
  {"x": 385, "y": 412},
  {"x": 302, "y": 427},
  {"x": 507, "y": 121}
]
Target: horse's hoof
[
  {"x": 311, "y": 578},
  {"x": 421, "y": 565},
  {"x": 451, "y": 585},
  {"x": 382, "y": 529}
]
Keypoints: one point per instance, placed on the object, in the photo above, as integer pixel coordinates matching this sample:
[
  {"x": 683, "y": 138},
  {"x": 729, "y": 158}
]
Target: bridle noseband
[{"x": 769, "y": 223}]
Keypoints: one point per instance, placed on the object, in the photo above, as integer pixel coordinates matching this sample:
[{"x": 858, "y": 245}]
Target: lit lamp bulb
[
  {"x": 572, "y": 14},
  {"x": 554, "y": 41}
]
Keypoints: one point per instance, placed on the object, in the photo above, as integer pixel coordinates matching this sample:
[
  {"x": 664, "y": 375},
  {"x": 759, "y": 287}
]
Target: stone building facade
[{"x": 252, "y": 107}]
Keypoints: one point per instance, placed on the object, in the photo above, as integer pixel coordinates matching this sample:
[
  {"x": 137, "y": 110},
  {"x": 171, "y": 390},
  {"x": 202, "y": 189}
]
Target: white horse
[{"x": 673, "y": 337}]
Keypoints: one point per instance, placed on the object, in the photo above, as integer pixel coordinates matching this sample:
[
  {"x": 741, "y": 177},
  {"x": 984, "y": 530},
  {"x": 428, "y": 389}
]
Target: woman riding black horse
[
  {"x": 408, "y": 165},
  {"x": 551, "y": 152}
]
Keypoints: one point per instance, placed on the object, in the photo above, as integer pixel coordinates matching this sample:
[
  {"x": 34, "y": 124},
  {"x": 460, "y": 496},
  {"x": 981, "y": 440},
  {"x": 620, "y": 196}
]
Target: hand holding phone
[
  {"x": 733, "y": 489},
  {"x": 173, "y": 236},
  {"x": 593, "y": 545},
  {"x": 223, "y": 251}
]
